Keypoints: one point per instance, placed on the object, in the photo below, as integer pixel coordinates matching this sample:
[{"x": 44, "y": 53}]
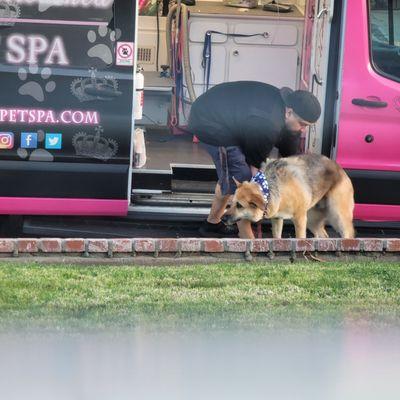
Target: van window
[{"x": 385, "y": 37}]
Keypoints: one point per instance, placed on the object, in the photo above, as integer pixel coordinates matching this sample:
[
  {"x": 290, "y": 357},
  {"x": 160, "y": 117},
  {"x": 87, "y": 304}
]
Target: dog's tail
[{"x": 340, "y": 202}]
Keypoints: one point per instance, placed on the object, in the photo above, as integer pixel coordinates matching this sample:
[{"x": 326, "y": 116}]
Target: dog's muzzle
[{"x": 229, "y": 219}]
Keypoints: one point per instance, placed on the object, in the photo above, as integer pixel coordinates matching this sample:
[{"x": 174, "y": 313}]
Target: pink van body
[{"x": 360, "y": 80}]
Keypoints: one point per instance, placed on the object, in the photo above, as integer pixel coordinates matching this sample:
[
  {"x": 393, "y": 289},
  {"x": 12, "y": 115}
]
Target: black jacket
[{"x": 247, "y": 114}]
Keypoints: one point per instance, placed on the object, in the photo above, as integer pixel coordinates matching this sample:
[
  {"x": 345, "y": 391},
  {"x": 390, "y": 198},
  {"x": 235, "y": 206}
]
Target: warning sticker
[{"x": 125, "y": 54}]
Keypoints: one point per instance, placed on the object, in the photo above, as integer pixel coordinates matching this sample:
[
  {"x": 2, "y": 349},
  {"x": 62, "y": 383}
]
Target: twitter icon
[{"x": 53, "y": 141}]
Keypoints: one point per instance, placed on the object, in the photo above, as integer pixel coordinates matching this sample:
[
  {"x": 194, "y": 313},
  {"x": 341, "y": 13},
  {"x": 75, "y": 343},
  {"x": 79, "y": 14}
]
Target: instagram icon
[{"x": 6, "y": 140}]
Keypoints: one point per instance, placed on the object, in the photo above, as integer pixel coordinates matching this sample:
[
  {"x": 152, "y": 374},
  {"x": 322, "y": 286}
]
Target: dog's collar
[{"x": 261, "y": 180}]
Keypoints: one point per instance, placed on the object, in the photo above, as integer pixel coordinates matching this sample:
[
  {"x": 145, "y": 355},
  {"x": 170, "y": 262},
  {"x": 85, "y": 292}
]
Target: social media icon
[
  {"x": 53, "y": 141},
  {"x": 28, "y": 140},
  {"x": 6, "y": 140}
]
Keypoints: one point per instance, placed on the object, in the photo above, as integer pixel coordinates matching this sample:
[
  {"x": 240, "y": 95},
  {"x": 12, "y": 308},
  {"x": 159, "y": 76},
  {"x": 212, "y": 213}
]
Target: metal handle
[
  {"x": 327, "y": 10},
  {"x": 369, "y": 103},
  {"x": 322, "y": 12},
  {"x": 318, "y": 80},
  {"x": 236, "y": 53}
]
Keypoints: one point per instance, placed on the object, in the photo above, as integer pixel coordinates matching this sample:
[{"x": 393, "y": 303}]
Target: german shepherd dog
[{"x": 309, "y": 189}]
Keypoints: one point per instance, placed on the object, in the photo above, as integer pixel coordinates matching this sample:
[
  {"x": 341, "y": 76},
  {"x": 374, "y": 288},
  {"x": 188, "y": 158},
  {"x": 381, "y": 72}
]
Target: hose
[
  {"x": 186, "y": 55},
  {"x": 176, "y": 12},
  {"x": 169, "y": 33}
]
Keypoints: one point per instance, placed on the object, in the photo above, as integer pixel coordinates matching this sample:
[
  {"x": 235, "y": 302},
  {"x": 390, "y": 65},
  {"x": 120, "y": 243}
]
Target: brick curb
[{"x": 187, "y": 247}]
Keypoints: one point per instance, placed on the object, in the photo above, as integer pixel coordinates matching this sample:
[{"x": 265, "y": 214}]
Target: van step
[
  {"x": 165, "y": 213},
  {"x": 189, "y": 186},
  {"x": 179, "y": 177},
  {"x": 152, "y": 179},
  {"x": 197, "y": 172},
  {"x": 172, "y": 158},
  {"x": 170, "y": 206},
  {"x": 172, "y": 199}
]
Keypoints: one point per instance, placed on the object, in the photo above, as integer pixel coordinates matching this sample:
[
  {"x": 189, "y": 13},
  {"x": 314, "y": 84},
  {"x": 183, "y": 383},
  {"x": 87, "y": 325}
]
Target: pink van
[
  {"x": 367, "y": 143},
  {"x": 67, "y": 101}
]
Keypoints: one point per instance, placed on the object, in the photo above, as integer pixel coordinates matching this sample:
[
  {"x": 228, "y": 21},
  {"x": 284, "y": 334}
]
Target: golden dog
[{"x": 309, "y": 189}]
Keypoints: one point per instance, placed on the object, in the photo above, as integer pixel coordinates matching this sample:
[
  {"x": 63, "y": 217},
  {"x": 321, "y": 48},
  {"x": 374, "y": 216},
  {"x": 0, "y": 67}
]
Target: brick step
[{"x": 194, "y": 246}]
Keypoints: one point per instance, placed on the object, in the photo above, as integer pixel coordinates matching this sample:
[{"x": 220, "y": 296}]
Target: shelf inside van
[
  {"x": 218, "y": 8},
  {"x": 174, "y": 163}
]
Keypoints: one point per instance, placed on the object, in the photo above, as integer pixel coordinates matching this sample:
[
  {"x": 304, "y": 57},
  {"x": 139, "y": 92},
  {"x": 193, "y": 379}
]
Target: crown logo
[
  {"x": 9, "y": 9},
  {"x": 94, "y": 146},
  {"x": 93, "y": 88}
]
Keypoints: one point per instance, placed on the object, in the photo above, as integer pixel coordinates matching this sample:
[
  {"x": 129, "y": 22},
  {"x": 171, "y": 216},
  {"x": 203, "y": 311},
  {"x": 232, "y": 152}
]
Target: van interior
[{"x": 185, "y": 49}]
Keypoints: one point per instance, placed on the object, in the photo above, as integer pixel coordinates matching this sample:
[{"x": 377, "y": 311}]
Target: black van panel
[
  {"x": 63, "y": 180},
  {"x": 72, "y": 106}
]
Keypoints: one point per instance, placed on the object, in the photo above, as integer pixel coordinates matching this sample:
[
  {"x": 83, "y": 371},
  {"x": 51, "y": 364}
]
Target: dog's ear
[
  {"x": 257, "y": 203},
  {"x": 237, "y": 183}
]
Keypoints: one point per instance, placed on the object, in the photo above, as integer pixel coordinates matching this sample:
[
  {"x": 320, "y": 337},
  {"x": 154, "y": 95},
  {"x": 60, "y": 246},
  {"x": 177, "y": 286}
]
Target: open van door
[
  {"x": 66, "y": 72},
  {"x": 368, "y": 139},
  {"x": 317, "y": 36}
]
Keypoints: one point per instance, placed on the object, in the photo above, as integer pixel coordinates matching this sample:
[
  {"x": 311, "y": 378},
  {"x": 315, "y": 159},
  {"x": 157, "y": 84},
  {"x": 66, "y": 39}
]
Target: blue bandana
[{"x": 261, "y": 180}]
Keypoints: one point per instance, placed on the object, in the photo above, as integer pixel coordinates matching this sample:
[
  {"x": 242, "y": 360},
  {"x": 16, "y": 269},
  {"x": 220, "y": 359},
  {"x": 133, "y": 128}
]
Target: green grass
[{"x": 245, "y": 294}]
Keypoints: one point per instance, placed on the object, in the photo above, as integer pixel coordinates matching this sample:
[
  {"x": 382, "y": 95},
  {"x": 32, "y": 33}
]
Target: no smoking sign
[{"x": 125, "y": 53}]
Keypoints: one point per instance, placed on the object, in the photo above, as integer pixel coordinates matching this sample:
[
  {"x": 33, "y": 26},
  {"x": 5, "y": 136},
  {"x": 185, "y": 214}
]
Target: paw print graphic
[
  {"x": 37, "y": 154},
  {"x": 100, "y": 49},
  {"x": 32, "y": 87}
]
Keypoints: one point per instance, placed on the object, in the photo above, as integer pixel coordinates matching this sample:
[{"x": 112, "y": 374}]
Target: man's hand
[{"x": 254, "y": 170}]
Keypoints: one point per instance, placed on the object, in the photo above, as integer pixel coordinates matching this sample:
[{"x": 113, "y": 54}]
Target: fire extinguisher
[{"x": 139, "y": 95}]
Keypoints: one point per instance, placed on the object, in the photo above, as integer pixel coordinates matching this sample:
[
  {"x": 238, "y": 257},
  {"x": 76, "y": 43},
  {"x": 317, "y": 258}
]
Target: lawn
[{"x": 245, "y": 294}]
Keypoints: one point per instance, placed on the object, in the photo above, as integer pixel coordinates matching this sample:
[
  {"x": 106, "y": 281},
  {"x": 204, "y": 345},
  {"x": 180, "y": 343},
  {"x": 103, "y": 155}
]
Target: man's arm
[
  {"x": 256, "y": 149},
  {"x": 257, "y": 139},
  {"x": 289, "y": 143}
]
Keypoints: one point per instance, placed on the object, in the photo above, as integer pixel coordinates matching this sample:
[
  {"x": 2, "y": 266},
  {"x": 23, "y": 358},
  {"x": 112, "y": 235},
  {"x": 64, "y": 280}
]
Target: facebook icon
[{"x": 28, "y": 140}]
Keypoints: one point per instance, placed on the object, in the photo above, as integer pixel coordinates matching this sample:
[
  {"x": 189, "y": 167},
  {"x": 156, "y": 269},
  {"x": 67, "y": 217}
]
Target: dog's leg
[
  {"x": 218, "y": 206},
  {"x": 277, "y": 226},
  {"x": 300, "y": 225},
  {"x": 245, "y": 231},
  {"x": 316, "y": 218},
  {"x": 342, "y": 223},
  {"x": 340, "y": 203},
  {"x": 323, "y": 233}
]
